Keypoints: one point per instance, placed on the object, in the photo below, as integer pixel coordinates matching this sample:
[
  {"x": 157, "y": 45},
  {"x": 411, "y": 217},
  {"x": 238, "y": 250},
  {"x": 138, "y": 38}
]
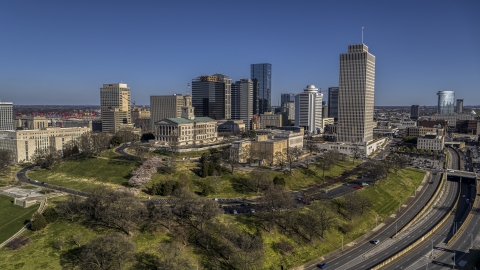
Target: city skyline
[{"x": 65, "y": 50}]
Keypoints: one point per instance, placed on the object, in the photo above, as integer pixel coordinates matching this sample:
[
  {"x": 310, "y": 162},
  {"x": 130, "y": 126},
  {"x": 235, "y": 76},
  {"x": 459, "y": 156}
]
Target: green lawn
[
  {"x": 12, "y": 217},
  {"x": 225, "y": 183},
  {"x": 40, "y": 253},
  {"x": 386, "y": 197},
  {"x": 86, "y": 173}
]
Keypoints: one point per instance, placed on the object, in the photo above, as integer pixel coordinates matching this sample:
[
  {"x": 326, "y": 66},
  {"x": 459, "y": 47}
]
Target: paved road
[
  {"x": 351, "y": 258},
  {"x": 438, "y": 240}
]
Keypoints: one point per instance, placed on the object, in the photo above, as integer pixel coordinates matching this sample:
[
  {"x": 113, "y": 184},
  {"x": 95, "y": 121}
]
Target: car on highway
[
  {"x": 234, "y": 212},
  {"x": 375, "y": 242},
  {"x": 358, "y": 187},
  {"x": 322, "y": 265}
]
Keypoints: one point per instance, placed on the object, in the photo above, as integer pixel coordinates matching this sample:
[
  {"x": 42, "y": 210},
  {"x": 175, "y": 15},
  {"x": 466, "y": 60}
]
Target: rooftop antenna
[
  {"x": 362, "y": 33},
  {"x": 188, "y": 88}
]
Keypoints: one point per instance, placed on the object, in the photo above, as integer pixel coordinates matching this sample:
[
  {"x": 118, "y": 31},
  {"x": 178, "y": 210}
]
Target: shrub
[
  {"x": 279, "y": 181},
  {"x": 38, "y": 222},
  {"x": 50, "y": 215},
  {"x": 284, "y": 246},
  {"x": 18, "y": 242},
  {"x": 58, "y": 244}
]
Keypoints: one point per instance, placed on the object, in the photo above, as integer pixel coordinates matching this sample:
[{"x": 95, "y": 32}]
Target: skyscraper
[
  {"x": 162, "y": 107},
  {"x": 286, "y": 97},
  {"x": 308, "y": 109},
  {"x": 356, "y": 95},
  {"x": 446, "y": 102},
  {"x": 460, "y": 105},
  {"x": 333, "y": 103},
  {"x": 242, "y": 101},
  {"x": 115, "y": 106},
  {"x": 261, "y": 75},
  {"x": 211, "y": 96},
  {"x": 6, "y": 116},
  {"x": 415, "y": 112}
]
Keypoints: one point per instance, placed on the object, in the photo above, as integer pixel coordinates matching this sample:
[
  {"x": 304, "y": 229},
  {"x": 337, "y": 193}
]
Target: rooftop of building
[{"x": 181, "y": 120}]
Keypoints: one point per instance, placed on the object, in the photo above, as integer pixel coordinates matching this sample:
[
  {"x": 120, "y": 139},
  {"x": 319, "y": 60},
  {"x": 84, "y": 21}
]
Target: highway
[{"x": 353, "y": 258}]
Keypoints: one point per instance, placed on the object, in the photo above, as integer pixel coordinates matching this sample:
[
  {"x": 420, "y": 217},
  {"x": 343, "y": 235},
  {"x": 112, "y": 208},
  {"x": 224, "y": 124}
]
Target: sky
[{"x": 62, "y": 52}]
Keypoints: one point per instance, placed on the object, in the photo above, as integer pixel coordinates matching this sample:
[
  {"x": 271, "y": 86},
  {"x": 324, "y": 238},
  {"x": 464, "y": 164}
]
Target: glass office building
[
  {"x": 446, "y": 102},
  {"x": 261, "y": 75}
]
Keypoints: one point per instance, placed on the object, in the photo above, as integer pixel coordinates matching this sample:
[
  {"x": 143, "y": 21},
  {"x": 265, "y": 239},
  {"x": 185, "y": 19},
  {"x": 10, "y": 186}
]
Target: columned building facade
[
  {"x": 162, "y": 107},
  {"x": 356, "y": 95}
]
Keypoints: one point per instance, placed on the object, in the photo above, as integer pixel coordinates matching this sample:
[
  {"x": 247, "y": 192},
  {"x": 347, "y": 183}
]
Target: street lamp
[{"x": 426, "y": 262}]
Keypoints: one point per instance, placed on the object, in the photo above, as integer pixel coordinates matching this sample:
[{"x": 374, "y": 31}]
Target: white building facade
[
  {"x": 431, "y": 141},
  {"x": 25, "y": 143},
  {"x": 308, "y": 110}
]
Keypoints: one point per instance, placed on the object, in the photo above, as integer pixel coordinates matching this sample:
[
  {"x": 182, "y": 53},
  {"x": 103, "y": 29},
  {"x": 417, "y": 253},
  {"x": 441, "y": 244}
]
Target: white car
[{"x": 376, "y": 242}]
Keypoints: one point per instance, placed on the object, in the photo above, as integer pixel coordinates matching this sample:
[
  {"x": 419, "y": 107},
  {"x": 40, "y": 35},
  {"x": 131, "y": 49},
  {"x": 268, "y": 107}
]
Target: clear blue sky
[{"x": 61, "y": 52}]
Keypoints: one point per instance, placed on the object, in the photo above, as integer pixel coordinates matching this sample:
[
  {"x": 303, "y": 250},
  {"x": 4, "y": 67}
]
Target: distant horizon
[{"x": 141, "y": 105}]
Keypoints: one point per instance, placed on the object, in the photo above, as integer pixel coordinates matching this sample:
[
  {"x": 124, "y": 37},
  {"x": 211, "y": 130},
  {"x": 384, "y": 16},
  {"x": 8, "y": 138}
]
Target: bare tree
[
  {"x": 281, "y": 158},
  {"x": 311, "y": 147},
  {"x": 375, "y": 171},
  {"x": 357, "y": 152},
  {"x": 6, "y": 159},
  {"x": 119, "y": 210},
  {"x": 112, "y": 251},
  {"x": 230, "y": 158},
  {"x": 293, "y": 153}
]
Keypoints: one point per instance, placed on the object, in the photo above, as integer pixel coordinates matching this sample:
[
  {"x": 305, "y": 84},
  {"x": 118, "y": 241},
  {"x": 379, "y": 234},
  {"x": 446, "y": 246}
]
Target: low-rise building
[
  {"x": 294, "y": 139},
  {"x": 25, "y": 143},
  {"x": 231, "y": 126},
  {"x": 269, "y": 120},
  {"x": 431, "y": 141},
  {"x": 31, "y": 122},
  {"x": 352, "y": 149},
  {"x": 262, "y": 149},
  {"x": 422, "y": 131}
]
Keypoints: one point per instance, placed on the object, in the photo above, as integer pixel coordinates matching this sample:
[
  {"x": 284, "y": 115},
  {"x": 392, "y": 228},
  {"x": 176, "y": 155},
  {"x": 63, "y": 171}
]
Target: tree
[
  {"x": 280, "y": 158},
  {"x": 147, "y": 136},
  {"x": 119, "y": 210},
  {"x": 375, "y": 171},
  {"x": 38, "y": 222},
  {"x": 357, "y": 152},
  {"x": 231, "y": 159},
  {"x": 71, "y": 208},
  {"x": 326, "y": 161},
  {"x": 293, "y": 153},
  {"x": 171, "y": 256},
  {"x": 46, "y": 159},
  {"x": 279, "y": 181},
  {"x": 107, "y": 252},
  {"x": 6, "y": 159},
  {"x": 117, "y": 140},
  {"x": 311, "y": 147},
  {"x": 50, "y": 215}
]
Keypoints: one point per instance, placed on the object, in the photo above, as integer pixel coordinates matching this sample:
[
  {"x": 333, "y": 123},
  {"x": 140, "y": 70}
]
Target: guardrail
[
  {"x": 424, "y": 208},
  {"x": 421, "y": 239},
  {"x": 467, "y": 219}
]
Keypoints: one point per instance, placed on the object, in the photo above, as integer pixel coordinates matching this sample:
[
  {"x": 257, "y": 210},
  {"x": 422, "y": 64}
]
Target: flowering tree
[{"x": 144, "y": 173}]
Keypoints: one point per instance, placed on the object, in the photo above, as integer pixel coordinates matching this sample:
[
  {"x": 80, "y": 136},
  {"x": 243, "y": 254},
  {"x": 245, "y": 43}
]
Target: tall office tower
[
  {"x": 162, "y": 107},
  {"x": 6, "y": 116},
  {"x": 415, "y": 112},
  {"x": 288, "y": 108},
  {"x": 115, "y": 106},
  {"x": 261, "y": 75},
  {"x": 333, "y": 103},
  {"x": 460, "y": 105},
  {"x": 324, "y": 110},
  {"x": 286, "y": 97},
  {"x": 446, "y": 102},
  {"x": 308, "y": 110},
  {"x": 355, "y": 95},
  {"x": 211, "y": 96},
  {"x": 242, "y": 101}
]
